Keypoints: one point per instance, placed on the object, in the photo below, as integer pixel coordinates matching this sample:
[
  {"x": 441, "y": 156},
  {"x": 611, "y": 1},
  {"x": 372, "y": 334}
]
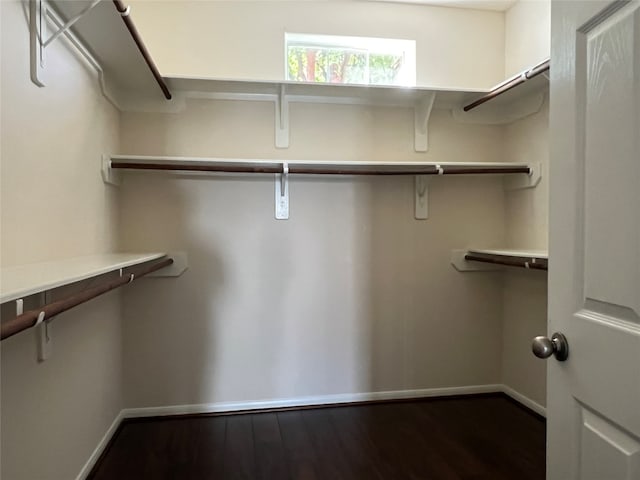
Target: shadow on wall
[{"x": 350, "y": 295}]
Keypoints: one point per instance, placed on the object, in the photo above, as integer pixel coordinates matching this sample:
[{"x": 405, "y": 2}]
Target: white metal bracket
[
  {"x": 422, "y": 112},
  {"x": 282, "y": 118},
  {"x": 422, "y": 197},
  {"x": 518, "y": 182},
  {"x": 282, "y": 193},
  {"x": 460, "y": 264},
  {"x": 44, "y": 340},
  {"x": 109, "y": 176},
  {"x": 38, "y": 31}
]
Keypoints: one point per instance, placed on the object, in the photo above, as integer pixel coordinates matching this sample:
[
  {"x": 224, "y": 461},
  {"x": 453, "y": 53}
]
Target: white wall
[
  {"x": 245, "y": 39},
  {"x": 54, "y": 205},
  {"x": 351, "y": 294},
  {"x": 527, "y": 211},
  {"x": 527, "y": 35}
]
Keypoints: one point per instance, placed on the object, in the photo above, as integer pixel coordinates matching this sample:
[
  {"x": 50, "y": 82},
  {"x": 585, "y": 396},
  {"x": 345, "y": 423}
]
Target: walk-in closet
[{"x": 309, "y": 239}]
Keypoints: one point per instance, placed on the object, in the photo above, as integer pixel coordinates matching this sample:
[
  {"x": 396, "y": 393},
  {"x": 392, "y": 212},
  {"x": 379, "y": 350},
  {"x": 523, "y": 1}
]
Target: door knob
[{"x": 543, "y": 347}]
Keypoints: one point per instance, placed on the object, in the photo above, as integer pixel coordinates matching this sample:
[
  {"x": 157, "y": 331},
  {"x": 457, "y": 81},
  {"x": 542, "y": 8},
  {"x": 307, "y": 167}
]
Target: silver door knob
[{"x": 543, "y": 347}]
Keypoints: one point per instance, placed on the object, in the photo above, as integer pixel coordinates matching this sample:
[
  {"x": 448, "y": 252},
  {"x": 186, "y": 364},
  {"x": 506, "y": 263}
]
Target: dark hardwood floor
[{"x": 472, "y": 438}]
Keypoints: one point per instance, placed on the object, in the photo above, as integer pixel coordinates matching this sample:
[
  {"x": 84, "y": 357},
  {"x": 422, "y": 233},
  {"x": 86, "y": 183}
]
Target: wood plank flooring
[{"x": 473, "y": 438}]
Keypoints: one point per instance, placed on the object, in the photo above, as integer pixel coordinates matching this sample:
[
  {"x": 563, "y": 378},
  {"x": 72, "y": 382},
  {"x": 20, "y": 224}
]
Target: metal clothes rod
[
  {"x": 509, "y": 84},
  {"x": 124, "y": 13},
  {"x": 322, "y": 169},
  {"x": 523, "y": 262},
  {"x": 28, "y": 319}
]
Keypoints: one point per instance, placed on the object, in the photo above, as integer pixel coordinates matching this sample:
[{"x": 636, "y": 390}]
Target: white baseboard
[
  {"x": 104, "y": 441},
  {"x": 306, "y": 401},
  {"x": 526, "y": 401},
  {"x": 222, "y": 407}
]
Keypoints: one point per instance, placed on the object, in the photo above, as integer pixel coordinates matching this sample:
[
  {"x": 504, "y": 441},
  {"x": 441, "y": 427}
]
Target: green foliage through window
[{"x": 344, "y": 64}]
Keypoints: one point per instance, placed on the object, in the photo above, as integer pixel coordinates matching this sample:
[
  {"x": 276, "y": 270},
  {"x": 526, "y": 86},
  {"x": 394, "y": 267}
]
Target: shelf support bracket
[
  {"x": 282, "y": 118},
  {"x": 38, "y": 31},
  {"x": 44, "y": 342},
  {"x": 422, "y": 112},
  {"x": 282, "y": 193},
  {"x": 421, "y": 207}
]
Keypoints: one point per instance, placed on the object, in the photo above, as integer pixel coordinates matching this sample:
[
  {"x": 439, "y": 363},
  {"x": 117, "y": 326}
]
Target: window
[{"x": 356, "y": 60}]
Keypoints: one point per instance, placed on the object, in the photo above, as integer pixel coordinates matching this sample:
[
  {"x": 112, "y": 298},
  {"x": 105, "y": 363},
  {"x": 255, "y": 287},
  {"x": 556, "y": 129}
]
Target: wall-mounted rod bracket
[
  {"x": 422, "y": 113},
  {"x": 38, "y": 32},
  {"x": 282, "y": 193},
  {"x": 282, "y": 118},
  {"x": 109, "y": 175},
  {"x": 44, "y": 340},
  {"x": 518, "y": 182},
  {"x": 421, "y": 207}
]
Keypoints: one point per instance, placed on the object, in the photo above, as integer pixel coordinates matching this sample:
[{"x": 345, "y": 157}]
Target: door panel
[
  {"x": 594, "y": 244},
  {"x": 608, "y": 453},
  {"x": 612, "y": 172}
]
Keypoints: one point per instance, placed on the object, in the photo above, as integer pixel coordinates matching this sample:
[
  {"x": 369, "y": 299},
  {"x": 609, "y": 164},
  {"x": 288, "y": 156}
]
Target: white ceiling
[{"x": 499, "y": 5}]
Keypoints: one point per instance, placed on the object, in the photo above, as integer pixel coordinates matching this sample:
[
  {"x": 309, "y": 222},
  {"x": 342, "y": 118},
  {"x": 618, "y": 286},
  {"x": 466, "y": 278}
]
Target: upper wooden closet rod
[
  {"x": 124, "y": 13},
  {"x": 509, "y": 84},
  {"x": 32, "y": 317}
]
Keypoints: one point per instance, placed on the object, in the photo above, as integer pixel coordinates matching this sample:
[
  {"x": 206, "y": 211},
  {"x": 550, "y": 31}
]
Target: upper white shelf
[
  {"x": 110, "y": 35},
  {"x": 24, "y": 280},
  {"x": 322, "y": 92},
  {"x": 532, "y": 79},
  {"x": 515, "y": 98}
]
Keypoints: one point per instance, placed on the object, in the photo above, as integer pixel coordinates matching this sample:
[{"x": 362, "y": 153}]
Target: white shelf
[
  {"x": 104, "y": 33},
  {"x": 24, "y": 280},
  {"x": 495, "y": 259},
  {"x": 511, "y": 100},
  {"x": 508, "y": 253},
  {"x": 321, "y": 92}
]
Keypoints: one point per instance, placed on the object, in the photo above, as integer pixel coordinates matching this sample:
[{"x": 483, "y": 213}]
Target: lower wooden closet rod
[
  {"x": 28, "y": 319},
  {"x": 511, "y": 262}
]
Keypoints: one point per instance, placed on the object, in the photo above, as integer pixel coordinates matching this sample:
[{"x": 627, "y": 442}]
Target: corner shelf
[
  {"x": 24, "y": 280},
  {"x": 515, "y": 98},
  {"x": 106, "y": 31},
  {"x": 472, "y": 260}
]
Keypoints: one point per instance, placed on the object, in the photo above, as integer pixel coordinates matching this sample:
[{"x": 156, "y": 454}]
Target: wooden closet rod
[
  {"x": 321, "y": 169},
  {"x": 28, "y": 319},
  {"x": 509, "y": 84},
  {"x": 523, "y": 262},
  {"x": 124, "y": 13}
]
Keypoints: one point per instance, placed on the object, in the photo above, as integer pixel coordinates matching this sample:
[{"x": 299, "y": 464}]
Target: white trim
[
  {"x": 526, "y": 401},
  {"x": 104, "y": 441},
  {"x": 307, "y": 401}
]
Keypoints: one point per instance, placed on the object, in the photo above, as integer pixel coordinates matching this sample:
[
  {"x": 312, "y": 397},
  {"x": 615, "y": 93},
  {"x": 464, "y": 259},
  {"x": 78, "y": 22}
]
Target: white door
[{"x": 594, "y": 272}]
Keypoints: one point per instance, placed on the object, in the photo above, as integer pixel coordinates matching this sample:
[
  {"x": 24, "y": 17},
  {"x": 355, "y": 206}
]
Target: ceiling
[{"x": 498, "y": 5}]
